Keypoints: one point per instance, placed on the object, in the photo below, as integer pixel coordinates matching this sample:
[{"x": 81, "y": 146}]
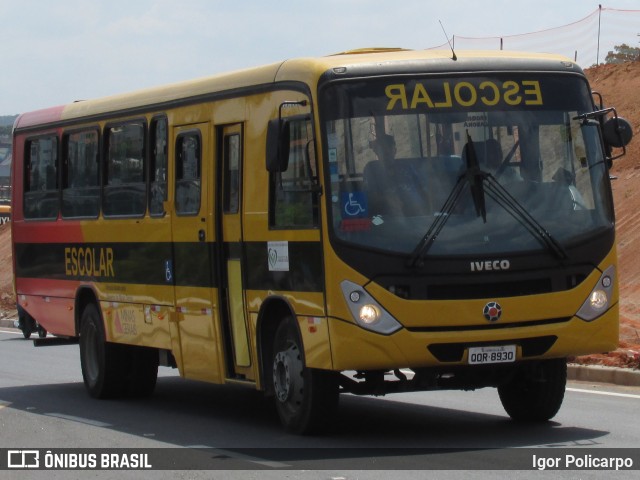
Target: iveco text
[{"x": 490, "y": 265}]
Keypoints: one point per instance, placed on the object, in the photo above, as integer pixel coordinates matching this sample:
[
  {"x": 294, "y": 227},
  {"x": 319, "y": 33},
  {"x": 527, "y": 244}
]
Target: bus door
[
  {"x": 232, "y": 298},
  {"x": 195, "y": 338}
]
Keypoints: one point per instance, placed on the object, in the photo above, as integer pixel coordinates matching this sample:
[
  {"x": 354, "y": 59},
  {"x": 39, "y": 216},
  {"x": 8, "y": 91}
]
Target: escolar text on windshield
[{"x": 463, "y": 94}]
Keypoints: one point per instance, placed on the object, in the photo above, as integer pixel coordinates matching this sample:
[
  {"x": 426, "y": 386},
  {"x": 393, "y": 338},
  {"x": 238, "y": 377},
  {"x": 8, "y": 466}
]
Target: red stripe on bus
[{"x": 40, "y": 117}]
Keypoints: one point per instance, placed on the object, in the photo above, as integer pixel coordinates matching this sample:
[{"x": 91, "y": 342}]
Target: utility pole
[{"x": 598, "y": 51}]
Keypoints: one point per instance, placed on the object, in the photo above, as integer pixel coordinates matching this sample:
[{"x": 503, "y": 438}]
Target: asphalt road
[{"x": 233, "y": 432}]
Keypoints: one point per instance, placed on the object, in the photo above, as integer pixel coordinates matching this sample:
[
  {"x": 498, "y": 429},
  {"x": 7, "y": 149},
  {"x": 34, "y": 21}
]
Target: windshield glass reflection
[{"x": 396, "y": 163}]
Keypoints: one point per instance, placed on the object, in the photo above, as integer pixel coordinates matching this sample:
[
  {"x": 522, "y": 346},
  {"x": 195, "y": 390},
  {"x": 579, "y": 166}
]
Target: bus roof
[{"x": 306, "y": 70}]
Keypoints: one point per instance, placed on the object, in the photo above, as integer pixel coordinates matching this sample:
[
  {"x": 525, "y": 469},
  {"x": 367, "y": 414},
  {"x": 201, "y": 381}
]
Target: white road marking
[
  {"x": 598, "y": 392},
  {"x": 14, "y": 332},
  {"x": 87, "y": 421}
]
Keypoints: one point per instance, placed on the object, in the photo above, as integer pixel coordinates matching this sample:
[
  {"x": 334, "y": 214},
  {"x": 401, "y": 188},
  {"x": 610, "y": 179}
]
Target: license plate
[{"x": 493, "y": 354}]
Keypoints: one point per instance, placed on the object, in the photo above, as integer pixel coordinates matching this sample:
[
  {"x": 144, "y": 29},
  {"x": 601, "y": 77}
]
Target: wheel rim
[{"x": 287, "y": 377}]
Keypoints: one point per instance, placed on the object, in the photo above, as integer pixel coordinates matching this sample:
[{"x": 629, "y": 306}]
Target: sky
[{"x": 56, "y": 52}]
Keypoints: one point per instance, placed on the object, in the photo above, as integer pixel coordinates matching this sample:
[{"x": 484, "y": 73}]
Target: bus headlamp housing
[
  {"x": 366, "y": 311},
  {"x": 599, "y": 300}
]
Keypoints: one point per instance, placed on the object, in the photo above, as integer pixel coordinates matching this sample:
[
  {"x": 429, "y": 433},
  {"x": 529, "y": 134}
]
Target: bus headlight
[
  {"x": 366, "y": 311},
  {"x": 369, "y": 314},
  {"x": 599, "y": 299}
]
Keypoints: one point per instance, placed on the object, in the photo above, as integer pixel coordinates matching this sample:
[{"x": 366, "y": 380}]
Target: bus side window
[
  {"x": 41, "y": 198},
  {"x": 232, "y": 160},
  {"x": 293, "y": 196},
  {"x": 81, "y": 176},
  {"x": 188, "y": 154},
  {"x": 124, "y": 182},
  {"x": 158, "y": 167}
]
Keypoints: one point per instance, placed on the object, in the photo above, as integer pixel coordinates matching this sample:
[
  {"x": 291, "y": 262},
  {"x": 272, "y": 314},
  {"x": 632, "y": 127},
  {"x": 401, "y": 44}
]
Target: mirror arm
[
  {"x": 596, "y": 114},
  {"x": 600, "y": 99},
  {"x": 290, "y": 103}
]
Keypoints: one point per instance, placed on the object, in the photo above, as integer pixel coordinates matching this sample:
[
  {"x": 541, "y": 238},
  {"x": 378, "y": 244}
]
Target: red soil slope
[
  {"x": 619, "y": 85},
  {"x": 7, "y": 298}
]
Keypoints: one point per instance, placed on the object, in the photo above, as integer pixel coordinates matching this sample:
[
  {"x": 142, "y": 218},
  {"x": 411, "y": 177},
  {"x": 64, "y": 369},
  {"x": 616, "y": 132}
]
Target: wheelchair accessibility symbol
[
  {"x": 354, "y": 204},
  {"x": 168, "y": 271}
]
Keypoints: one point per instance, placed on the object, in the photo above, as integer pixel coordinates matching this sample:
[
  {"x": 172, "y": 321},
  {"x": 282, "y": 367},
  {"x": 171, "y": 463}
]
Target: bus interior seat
[{"x": 377, "y": 183}]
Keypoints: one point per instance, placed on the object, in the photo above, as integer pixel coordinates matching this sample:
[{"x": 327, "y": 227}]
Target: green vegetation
[
  {"x": 623, "y": 53},
  {"x": 6, "y": 124},
  {"x": 7, "y": 120}
]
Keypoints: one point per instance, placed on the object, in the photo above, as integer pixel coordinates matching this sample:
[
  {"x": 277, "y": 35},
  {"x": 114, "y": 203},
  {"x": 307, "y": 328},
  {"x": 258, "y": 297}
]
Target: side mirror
[
  {"x": 617, "y": 132},
  {"x": 278, "y": 143},
  {"x": 279, "y": 138}
]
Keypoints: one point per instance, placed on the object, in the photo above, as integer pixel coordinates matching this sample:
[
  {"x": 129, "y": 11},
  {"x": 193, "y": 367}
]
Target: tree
[{"x": 623, "y": 53}]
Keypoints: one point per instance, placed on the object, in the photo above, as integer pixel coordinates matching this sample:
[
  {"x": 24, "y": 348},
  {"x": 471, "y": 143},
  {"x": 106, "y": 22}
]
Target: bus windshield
[{"x": 464, "y": 165}]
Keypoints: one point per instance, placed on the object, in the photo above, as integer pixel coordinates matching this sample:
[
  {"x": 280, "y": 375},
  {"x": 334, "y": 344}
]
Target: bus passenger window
[
  {"x": 188, "y": 174},
  {"x": 124, "y": 184},
  {"x": 293, "y": 199},
  {"x": 158, "y": 167},
  {"x": 41, "y": 178},
  {"x": 81, "y": 176}
]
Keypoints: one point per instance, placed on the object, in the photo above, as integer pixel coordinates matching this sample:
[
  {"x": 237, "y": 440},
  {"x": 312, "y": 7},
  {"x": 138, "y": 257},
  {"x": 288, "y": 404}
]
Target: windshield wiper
[
  {"x": 418, "y": 254},
  {"x": 475, "y": 178},
  {"x": 478, "y": 180},
  {"x": 472, "y": 175},
  {"x": 503, "y": 198}
]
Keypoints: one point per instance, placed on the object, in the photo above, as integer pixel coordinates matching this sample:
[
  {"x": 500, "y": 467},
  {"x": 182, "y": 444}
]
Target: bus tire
[
  {"x": 27, "y": 324},
  {"x": 143, "y": 371},
  {"x": 535, "y": 393},
  {"x": 100, "y": 360},
  {"x": 306, "y": 399}
]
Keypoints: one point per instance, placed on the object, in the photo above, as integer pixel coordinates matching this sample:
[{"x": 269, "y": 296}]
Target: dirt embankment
[
  {"x": 619, "y": 86},
  {"x": 7, "y": 298}
]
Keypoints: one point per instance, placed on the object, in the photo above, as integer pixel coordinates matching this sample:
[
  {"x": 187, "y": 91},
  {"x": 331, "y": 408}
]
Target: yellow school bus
[{"x": 375, "y": 221}]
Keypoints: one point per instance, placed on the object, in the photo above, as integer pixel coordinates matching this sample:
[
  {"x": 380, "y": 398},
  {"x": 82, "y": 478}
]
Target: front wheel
[
  {"x": 306, "y": 399},
  {"x": 26, "y": 333},
  {"x": 26, "y": 323},
  {"x": 536, "y": 391}
]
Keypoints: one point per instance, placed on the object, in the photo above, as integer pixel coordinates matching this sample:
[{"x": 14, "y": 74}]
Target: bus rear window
[{"x": 41, "y": 178}]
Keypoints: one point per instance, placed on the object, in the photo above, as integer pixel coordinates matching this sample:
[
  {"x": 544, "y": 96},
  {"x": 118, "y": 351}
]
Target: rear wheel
[
  {"x": 306, "y": 399},
  {"x": 112, "y": 370},
  {"x": 143, "y": 371},
  {"x": 102, "y": 362},
  {"x": 536, "y": 392}
]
